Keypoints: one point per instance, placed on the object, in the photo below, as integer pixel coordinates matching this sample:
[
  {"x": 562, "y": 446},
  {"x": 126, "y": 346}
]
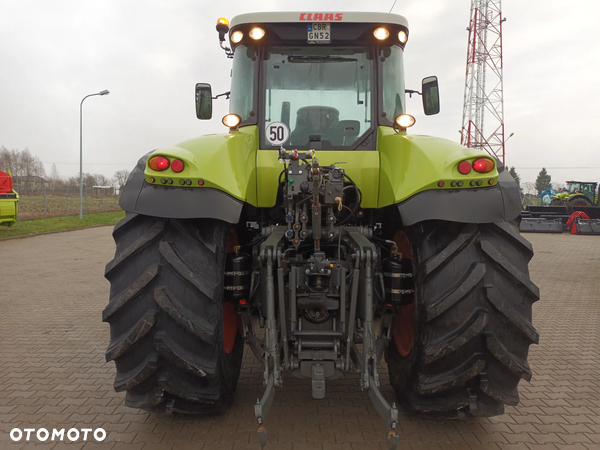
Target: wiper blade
[{"x": 319, "y": 58}]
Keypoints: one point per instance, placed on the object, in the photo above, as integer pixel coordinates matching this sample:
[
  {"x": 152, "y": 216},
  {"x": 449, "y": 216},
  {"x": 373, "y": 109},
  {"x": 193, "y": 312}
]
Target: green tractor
[
  {"x": 579, "y": 193},
  {"x": 321, "y": 220}
]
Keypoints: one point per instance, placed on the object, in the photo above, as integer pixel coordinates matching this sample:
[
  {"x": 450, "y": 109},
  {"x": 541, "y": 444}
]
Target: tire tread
[
  {"x": 473, "y": 324},
  {"x": 164, "y": 312}
]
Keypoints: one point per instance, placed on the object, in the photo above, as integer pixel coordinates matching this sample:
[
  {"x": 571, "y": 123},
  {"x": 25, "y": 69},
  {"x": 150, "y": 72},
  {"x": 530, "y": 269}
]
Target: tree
[
  {"x": 543, "y": 181},
  {"x": 89, "y": 181},
  {"x": 72, "y": 182},
  {"x": 529, "y": 187},
  {"x": 513, "y": 173},
  {"x": 21, "y": 163},
  {"x": 54, "y": 175},
  {"x": 32, "y": 166},
  {"x": 121, "y": 178},
  {"x": 101, "y": 180},
  {"x": 5, "y": 163},
  {"x": 10, "y": 160}
]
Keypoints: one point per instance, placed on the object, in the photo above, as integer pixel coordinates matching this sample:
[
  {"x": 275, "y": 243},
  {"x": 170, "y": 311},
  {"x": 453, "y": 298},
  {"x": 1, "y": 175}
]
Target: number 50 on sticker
[{"x": 277, "y": 133}]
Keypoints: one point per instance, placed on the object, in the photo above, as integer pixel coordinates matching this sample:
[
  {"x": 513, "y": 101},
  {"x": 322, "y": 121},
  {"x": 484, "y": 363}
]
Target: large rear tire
[
  {"x": 166, "y": 316},
  {"x": 580, "y": 201},
  {"x": 473, "y": 320}
]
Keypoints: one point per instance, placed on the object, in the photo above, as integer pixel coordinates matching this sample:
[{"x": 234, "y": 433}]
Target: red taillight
[
  {"x": 158, "y": 163},
  {"x": 177, "y": 165},
  {"x": 483, "y": 165},
  {"x": 464, "y": 167}
]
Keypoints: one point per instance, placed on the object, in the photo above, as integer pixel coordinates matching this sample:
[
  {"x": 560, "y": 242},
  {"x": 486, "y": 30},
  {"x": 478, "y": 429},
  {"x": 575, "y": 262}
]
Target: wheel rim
[
  {"x": 403, "y": 328},
  {"x": 230, "y": 326}
]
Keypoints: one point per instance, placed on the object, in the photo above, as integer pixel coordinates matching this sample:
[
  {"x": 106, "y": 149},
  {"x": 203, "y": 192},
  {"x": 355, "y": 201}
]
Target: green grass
[{"x": 29, "y": 227}]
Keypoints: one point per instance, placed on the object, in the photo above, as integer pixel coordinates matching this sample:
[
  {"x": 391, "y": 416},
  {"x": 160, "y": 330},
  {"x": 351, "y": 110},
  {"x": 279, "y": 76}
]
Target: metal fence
[{"x": 64, "y": 202}]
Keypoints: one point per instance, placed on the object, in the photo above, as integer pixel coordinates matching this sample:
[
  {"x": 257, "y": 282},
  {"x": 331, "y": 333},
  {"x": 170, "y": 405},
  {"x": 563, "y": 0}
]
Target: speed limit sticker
[{"x": 277, "y": 133}]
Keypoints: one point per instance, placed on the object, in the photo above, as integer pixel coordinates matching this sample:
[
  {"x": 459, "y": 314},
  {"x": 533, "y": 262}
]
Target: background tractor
[
  {"x": 578, "y": 193},
  {"x": 8, "y": 200},
  {"x": 321, "y": 220}
]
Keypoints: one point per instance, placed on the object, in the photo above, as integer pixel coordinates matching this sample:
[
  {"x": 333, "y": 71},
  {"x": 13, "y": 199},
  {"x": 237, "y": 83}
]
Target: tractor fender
[
  {"x": 488, "y": 205},
  {"x": 140, "y": 197},
  {"x": 226, "y": 164}
]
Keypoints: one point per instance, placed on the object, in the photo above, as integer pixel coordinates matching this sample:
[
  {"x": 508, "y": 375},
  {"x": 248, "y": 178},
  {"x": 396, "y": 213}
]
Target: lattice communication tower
[{"x": 483, "y": 85}]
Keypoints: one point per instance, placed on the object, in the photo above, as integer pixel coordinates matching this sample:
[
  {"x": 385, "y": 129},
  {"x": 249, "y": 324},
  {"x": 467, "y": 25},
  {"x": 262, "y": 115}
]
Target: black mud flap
[{"x": 485, "y": 205}]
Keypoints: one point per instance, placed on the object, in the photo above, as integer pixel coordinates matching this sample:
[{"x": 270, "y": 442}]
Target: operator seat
[{"x": 314, "y": 120}]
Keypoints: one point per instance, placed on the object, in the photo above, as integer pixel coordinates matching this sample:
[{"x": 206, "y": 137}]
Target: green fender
[
  {"x": 219, "y": 176},
  {"x": 418, "y": 173}
]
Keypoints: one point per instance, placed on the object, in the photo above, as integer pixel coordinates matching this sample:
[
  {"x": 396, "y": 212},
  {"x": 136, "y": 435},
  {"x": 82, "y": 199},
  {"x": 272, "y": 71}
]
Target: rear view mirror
[
  {"x": 431, "y": 96},
  {"x": 203, "y": 101}
]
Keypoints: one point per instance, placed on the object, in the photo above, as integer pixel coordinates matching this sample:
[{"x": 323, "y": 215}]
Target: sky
[{"x": 150, "y": 54}]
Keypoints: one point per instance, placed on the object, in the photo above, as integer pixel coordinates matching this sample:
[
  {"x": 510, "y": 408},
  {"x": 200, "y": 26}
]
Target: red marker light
[
  {"x": 201, "y": 182},
  {"x": 242, "y": 302},
  {"x": 158, "y": 163},
  {"x": 177, "y": 165},
  {"x": 441, "y": 184},
  {"x": 483, "y": 165},
  {"x": 464, "y": 167}
]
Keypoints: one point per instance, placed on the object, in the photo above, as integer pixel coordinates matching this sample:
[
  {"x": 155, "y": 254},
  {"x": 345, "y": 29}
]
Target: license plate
[{"x": 319, "y": 33}]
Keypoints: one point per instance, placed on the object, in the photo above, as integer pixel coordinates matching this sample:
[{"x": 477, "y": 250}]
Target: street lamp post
[{"x": 104, "y": 92}]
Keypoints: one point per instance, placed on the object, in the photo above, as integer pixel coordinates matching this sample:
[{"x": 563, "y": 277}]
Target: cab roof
[{"x": 319, "y": 16}]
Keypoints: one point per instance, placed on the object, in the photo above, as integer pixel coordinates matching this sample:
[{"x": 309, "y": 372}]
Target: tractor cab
[
  {"x": 574, "y": 187},
  {"x": 587, "y": 189},
  {"x": 318, "y": 80}
]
